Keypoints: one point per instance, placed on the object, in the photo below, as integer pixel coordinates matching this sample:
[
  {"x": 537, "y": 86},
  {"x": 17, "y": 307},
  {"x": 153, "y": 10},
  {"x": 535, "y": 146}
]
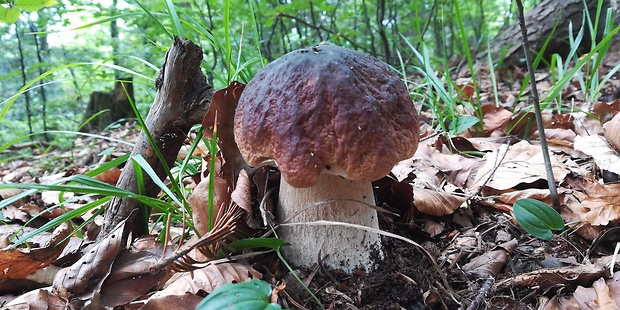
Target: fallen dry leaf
[
  {"x": 549, "y": 278},
  {"x": 436, "y": 203},
  {"x": 222, "y": 111},
  {"x": 601, "y": 204},
  {"x": 600, "y": 296},
  {"x": 495, "y": 120},
  {"x": 604, "y": 156},
  {"x": 18, "y": 263},
  {"x": 503, "y": 200},
  {"x": 199, "y": 201},
  {"x": 207, "y": 279},
  {"x": 173, "y": 302},
  {"x": 612, "y": 131},
  {"x": 42, "y": 298},
  {"x": 519, "y": 163},
  {"x": 92, "y": 268},
  {"x": 490, "y": 263}
]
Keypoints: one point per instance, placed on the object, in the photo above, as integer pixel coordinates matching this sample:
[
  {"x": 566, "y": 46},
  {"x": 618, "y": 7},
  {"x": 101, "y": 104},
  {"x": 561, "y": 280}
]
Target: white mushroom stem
[{"x": 346, "y": 248}]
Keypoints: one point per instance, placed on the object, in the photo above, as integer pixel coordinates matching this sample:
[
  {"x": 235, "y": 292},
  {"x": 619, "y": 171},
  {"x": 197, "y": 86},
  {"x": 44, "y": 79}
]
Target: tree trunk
[
  {"x": 540, "y": 22},
  {"x": 117, "y": 102},
  {"x": 183, "y": 98}
]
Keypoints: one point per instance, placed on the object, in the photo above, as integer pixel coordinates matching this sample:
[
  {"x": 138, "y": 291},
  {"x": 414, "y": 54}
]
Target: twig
[
  {"x": 319, "y": 27},
  {"x": 486, "y": 287},
  {"x": 553, "y": 191}
]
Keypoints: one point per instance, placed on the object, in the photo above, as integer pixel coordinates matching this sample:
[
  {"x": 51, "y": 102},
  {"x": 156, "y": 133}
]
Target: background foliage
[{"x": 86, "y": 45}]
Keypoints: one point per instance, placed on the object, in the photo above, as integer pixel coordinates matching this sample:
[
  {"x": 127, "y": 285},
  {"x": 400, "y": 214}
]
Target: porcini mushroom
[{"x": 332, "y": 120}]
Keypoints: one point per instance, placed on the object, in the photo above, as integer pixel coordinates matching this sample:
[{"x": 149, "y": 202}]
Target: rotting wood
[
  {"x": 183, "y": 98},
  {"x": 541, "y": 20}
]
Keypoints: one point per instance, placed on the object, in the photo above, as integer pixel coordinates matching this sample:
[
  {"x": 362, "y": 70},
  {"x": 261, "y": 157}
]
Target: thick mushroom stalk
[
  {"x": 336, "y": 199},
  {"x": 333, "y": 120}
]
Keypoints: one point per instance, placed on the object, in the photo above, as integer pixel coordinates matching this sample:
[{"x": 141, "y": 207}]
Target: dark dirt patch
[{"x": 406, "y": 278}]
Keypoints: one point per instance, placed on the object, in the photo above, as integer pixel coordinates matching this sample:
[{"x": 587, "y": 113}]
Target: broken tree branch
[{"x": 183, "y": 98}]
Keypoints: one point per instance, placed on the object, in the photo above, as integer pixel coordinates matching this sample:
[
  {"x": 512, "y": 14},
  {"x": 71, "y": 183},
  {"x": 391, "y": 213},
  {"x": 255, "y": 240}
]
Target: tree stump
[
  {"x": 183, "y": 98},
  {"x": 540, "y": 21},
  {"x": 116, "y": 101}
]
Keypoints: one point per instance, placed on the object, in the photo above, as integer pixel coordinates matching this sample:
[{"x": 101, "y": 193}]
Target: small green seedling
[
  {"x": 537, "y": 218},
  {"x": 252, "y": 295}
]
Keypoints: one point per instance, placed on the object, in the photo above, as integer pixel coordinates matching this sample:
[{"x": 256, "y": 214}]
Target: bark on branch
[
  {"x": 541, "y": 21},
  {"x": 183, "y": 98}
]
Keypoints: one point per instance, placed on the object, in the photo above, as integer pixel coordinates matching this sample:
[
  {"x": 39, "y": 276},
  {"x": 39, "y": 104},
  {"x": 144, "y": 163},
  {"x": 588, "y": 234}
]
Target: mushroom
[{"x": 332, "y": 120}]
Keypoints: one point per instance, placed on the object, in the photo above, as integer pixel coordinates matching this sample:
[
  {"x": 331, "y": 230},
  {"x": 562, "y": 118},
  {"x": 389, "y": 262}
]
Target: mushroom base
[{"x": 344, "y": 248}]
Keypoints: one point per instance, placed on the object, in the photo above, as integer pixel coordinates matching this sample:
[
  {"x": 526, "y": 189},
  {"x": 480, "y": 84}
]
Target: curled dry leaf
[
  {"x": 436, "y": 203},
  {"x": 18, "y": 263},
  {"x": 612, "y": 131},
  {"x": 558, "y": 136},
  {"x": 241, "y": 194},
  {"x": 503, "y": 200},
  {"x": 605, "y": 111},
  {"x": 603, "y": 295},
  {"x": 173, "y": 302},
  {"x": 242, "y": 197},
  {"x": 495, "y": 120},
  {"x": 548, "y": 278},
  {"x": 208, "y": 279},
  {"x": 601, "y": 204},
  {"x": 222, "y": 110},
  {"x": 488, "y": 265},
  {"x": 109, "y": 176},
  {"x": 37, "y": 299},
  {"x": 520, "y": 163},
  {"x": 199, "y": 201},
  {"x": 132, "y": 274},
  {"x": 604, "y": 156},
  {"x": 7, "y": 193},
  {"x": 93, "y": 267}
]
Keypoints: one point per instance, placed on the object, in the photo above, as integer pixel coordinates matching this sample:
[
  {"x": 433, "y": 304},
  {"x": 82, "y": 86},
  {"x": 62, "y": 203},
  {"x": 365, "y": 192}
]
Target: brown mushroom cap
[{"x": 326, "y": 109}]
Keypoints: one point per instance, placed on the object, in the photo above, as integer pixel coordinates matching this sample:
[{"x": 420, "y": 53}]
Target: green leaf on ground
[
  {"x": 537, "y": 218},
  {"x": 252, "y": 295}
]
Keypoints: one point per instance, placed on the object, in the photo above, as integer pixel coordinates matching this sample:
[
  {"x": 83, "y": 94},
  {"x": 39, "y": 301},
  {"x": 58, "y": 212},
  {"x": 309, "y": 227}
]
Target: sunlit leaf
[
  {"x": 463, "y": 123},
  {"x": 33, "y": 5},
  {"x": 9, "y": 15}
]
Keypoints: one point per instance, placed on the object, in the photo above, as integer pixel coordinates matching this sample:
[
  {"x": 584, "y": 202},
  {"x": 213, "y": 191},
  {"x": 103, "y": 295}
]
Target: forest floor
[{"x": 453, "y": 199}]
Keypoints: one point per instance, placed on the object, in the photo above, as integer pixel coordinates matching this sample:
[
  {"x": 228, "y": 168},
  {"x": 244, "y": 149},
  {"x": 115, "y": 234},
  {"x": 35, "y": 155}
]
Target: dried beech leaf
[
  {"x": 92, "y": 268},
  {"x": 242, "y": 195},
  {"x": 612, "y": 131},
  {"x": 487, "y": 265},
  {"x": 109, "y": 176},
  {"x": 596, "y": 297},
  {"x": 601, "y": 204},
  {"x": 604, "y": 156},
  {"x": 605, "y": 111},
  {"x": 519, "y": 163},
  {"x": 18, "y": 263},
  {"x": 503, "y": 200},
  {"x": 131, "y": 273},
  {"x": 42, "y": 298},
  {"x": 433, "y": 228},
  {"x": 547, "y": 278},
  {"x": 7, "y": 193},
  {"x": 495, "y": 119},
  {"x": 223, "y": 105},
  {"x": 199, "y": 201},
  {"x": 173, "y": 302},
  {"x": 436, "y": 203},
  {"x": 209, "y": 278}
]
